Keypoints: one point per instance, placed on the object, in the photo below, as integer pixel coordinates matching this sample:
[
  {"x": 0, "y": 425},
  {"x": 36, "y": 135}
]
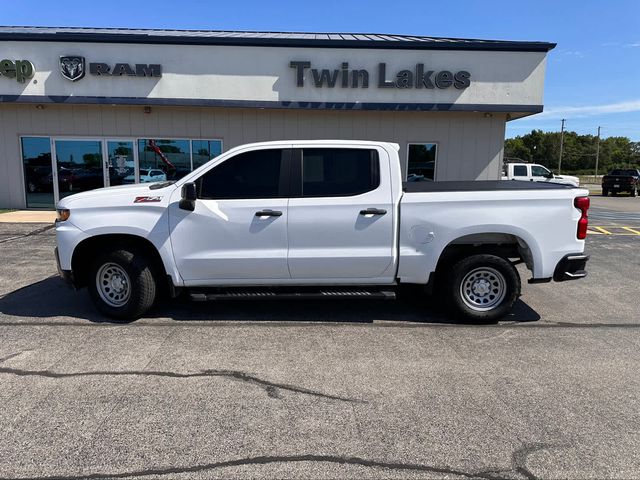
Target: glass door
[
  {"x": 121, "y": 165},
  {"x": 78, "y": 166}
]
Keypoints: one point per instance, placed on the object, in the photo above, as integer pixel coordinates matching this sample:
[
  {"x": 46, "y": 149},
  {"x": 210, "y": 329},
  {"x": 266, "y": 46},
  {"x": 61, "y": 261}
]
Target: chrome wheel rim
[
  {"x": 113, "y": 284},
  {"x": 483, "y": 289}
]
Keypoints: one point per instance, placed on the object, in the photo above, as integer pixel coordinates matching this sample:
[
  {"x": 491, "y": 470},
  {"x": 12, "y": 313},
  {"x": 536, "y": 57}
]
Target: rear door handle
[
  {"x": 269, "y": 213},
  {"x": 373, "y": 211}
]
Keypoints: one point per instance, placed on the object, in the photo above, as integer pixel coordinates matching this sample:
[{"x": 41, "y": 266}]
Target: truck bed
[{"x": 480, "y": 186}]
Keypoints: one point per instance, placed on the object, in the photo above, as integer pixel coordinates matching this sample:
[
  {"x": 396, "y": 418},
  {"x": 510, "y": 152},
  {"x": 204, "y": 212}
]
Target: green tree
[{"x": 579, "y": 153}]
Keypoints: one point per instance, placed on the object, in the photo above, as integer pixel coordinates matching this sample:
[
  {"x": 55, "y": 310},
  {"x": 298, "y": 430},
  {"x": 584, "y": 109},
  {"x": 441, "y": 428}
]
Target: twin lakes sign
[
  {"x": 73, "y": 67},
  {"x": 344, "y": 77}
]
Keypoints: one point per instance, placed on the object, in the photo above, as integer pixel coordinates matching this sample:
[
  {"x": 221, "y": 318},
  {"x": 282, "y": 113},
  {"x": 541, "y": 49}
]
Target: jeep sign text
[{"x": 21, "y": 70}]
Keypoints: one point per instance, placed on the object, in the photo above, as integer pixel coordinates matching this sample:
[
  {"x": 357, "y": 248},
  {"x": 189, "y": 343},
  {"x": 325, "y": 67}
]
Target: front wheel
[
  {"x": 121, "y": 283},
  {"x": 483, "y": 288},
  {"x": 605, "y": 192},
  {"x": 634, "y": 192}
]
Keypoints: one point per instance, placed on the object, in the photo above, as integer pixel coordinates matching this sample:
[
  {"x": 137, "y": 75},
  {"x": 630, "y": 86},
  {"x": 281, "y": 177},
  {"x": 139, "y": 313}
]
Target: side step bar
[{"x": 327, "y": 293}]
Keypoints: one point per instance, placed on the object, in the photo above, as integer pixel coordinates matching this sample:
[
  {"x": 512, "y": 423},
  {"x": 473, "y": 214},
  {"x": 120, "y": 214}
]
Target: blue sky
[{"x": 593, "y": 75}]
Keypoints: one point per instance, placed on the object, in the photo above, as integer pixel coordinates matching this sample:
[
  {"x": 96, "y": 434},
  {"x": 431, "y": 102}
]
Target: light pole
[
  {"x": 561, "y": 147},
  {"x": 597, "y": 154}
]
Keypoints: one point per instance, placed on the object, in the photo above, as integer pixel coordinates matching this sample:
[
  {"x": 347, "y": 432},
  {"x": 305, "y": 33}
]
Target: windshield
[{"x": 624, "y": 172}]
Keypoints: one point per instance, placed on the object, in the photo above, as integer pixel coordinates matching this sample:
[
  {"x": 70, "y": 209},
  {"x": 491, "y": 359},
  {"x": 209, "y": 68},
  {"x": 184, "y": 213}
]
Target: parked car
[
  {"x": 621, "y": 180},
  {"x": 533, "y": 172},
  {"x": 319, "y": 219},
  {"x": 148, "y": 176}
]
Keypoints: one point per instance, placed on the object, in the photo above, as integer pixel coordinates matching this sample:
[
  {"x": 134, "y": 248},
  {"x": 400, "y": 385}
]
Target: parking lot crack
[
  {"x": 10, "y": 356},
  {"x": 271, "y": 388},
  {"x": 37, "y": 231},
  {"x": 266, "y": 460}
]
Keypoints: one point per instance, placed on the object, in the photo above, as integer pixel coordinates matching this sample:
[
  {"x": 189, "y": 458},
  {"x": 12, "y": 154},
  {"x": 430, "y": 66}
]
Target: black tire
[
  {"x": 485, "y": 272},
  {"x": 605, "y": 192},
  {"x": 634, "y": 192},
  {"x": 614, "y": 193},
  {"x": 139, "y": 278}
]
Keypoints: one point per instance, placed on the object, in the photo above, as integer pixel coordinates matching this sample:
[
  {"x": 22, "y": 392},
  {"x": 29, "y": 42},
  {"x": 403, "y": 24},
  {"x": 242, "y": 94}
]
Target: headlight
[{"x": 63, "y": 214}]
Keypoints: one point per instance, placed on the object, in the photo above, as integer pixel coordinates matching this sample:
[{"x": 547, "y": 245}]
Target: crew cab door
[
  {"x": 238, "y": 231},
  {"x": 341, "y": 215}
]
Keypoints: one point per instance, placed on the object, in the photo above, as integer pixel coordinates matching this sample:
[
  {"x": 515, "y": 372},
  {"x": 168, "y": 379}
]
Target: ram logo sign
[{"x": 72, "y": 67}]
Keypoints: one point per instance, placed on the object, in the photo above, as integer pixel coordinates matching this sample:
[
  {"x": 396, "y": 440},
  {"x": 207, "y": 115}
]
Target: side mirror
[
  {"x": 550, "y": 174},
  {"x": 189, "y": 197}
]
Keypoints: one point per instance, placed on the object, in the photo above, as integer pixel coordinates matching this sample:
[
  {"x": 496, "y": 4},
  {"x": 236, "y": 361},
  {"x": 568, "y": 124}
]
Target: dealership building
[{"x": 83, "y": 108}]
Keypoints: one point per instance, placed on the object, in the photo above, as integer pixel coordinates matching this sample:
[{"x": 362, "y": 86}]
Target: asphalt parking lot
[{"x": 323, "y": 390}]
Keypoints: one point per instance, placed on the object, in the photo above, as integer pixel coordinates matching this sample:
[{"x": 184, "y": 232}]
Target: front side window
[
  {"x": 331, "y": 172},
  {"x": 538, "y": 171},
  {"x": 247, "y": 175},
  {"x": 519, "y": 170},
  {"x": 422, "y": 162}
]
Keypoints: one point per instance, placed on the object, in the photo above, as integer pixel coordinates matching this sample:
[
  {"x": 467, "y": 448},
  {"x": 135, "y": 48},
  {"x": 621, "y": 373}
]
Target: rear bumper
[
  {"x": 571, "y": 267},
  {"x": 618, "y": 186},
  {"x": 66, "y": 275}
]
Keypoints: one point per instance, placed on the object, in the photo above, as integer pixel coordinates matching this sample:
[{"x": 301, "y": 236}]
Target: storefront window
[
  {"x": 422, "y": 162},
  {"x": 122, "y": 165},
  {"x": 173, "y": 157},
  {"x": 204, "y": 150},
  {"x": 38, "y": 175},
  {"x": 79, "y": 164}
]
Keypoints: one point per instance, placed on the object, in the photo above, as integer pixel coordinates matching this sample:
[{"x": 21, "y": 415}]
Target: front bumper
[
  {"x": 571, "y": 267},
  {"x": 66, "y": 275}
]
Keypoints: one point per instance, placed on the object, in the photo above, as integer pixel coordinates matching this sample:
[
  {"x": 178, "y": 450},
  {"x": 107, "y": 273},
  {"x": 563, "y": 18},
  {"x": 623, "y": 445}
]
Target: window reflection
[
  {"x": 79, "y": 164},
  {"x": 170, "y": 156},
  {"x": 38, "y": 174},
  {"x": 204, "y": 150},
  {"x": 422, "y": 162},
  {"x": 122, "y": 167}
]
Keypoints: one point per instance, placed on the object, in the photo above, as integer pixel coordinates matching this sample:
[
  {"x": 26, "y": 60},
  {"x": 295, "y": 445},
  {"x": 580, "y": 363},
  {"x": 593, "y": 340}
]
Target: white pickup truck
[
  {"x": 533, "y": 172},
  {"x": 318, "y": 219}
]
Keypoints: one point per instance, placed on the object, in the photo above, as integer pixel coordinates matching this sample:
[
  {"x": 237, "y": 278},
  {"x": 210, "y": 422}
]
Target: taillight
[{"x": 582, "y": 204}]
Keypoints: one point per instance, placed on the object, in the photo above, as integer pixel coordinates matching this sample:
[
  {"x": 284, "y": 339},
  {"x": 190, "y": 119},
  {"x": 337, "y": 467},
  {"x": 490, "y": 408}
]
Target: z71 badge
[{"x": 147, "y": 199}]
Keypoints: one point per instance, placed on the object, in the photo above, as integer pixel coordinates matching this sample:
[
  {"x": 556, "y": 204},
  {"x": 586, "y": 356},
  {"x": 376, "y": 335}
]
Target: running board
[{"x": 307, "y": 294}]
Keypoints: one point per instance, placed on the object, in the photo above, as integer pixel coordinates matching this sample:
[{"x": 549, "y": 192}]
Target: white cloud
[{"x": 588, "y": 110}]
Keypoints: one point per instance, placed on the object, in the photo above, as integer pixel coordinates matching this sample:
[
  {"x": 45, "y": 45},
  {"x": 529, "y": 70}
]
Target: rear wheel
[
  {"x": 634, "y": 192},
  {"x": 121, "y": 283},
  {"x": 483, "y": 288},
  {"x": 605, "y": 192}
]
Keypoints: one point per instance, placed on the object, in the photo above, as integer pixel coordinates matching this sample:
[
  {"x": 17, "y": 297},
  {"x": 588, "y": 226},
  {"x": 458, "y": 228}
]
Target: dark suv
[{"x": 621, "y": 180}]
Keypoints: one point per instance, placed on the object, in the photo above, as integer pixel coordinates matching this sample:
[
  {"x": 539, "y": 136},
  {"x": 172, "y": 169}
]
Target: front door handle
[
  {"x": 268, "y": 213},
  {"x": 373, "y": 211}
]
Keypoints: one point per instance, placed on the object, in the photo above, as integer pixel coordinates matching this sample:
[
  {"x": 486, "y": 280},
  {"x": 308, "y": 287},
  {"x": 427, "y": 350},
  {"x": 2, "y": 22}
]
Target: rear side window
[
  {"x": 339, "y": 172},
  {"x": 248, "y": 175},
  {"x": 519, "y": 170}
]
